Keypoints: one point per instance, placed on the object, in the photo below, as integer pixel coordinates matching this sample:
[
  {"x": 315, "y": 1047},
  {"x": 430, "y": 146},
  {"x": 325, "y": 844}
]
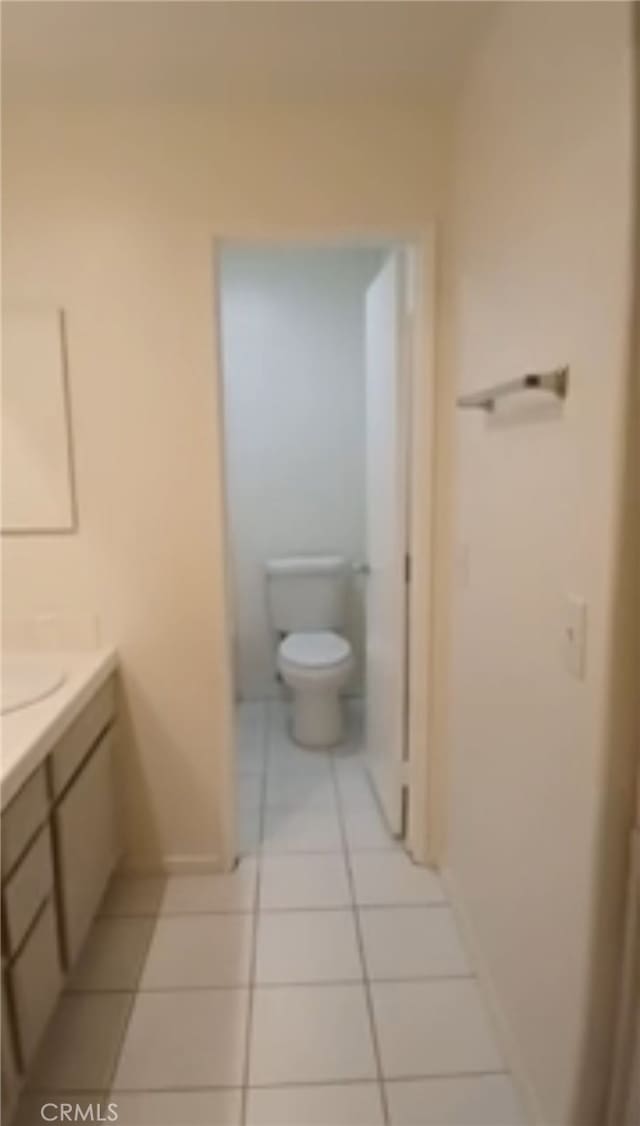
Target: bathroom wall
[
  {"x": 539, "y": 275},
  {"x": 294, "y": 391},
  {"x": 110, "y": 211}
]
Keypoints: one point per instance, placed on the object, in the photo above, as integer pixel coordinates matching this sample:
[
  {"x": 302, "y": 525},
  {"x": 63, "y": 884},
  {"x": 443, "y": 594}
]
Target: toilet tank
[{"x": 307, "y": 592}]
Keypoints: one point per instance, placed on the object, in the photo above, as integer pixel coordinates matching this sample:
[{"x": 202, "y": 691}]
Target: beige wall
[
  {"x": 110, "y": 213},
  {"x": 539, "y": 276}
]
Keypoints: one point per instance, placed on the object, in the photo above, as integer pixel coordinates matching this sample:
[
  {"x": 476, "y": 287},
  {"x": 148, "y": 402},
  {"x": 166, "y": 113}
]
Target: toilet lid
[{"x": 315, "y": 650}]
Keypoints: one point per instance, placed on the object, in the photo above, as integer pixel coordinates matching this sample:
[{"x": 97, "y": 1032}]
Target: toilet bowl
[{"x": 316, "y": 666}]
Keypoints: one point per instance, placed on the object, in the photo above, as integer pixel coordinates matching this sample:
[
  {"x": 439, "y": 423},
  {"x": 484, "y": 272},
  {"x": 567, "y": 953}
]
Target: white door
[{"x": 386, "y": 487}]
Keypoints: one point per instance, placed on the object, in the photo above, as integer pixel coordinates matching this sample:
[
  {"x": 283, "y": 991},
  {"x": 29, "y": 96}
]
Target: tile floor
[{"x": 323, "y": 983}]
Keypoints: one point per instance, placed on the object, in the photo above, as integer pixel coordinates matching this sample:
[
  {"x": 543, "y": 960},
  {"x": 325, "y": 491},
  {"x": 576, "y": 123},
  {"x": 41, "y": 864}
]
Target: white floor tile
[
  {"x": 279, "y": 719},
  {"x": 249, "y": 791},
  {"x": 248, "y": 828},
  {"x": 81, "y": 1046},
  {"x": 310, "y": 1034},
  {"x": 390, "y": 878},
  {"x": 250, "y": 737},
  {"x": 351, "y": 758},
  {"x": 283, "y": 753},
  {"x": 192, "y": 1039},
  {"x": 299, "y": 791},
  {"x": 352, "y": 749},
  {"x": 114, "y": 954},
  {"x": 483, "y": 1100},
  {"x": 307, "y": 946},
  {"x": 365, "y": 830},
  {"x": 307, "y": 880},
  {"x": 286, "y": 758},
  {"x": 411, "y": 942},
  {"x": 250, "y": 764},
  {"x": 355, "y": 709},
  {"x": 354, "y": 786},
  {"x": 436, "y": 1027},
  {"x": 251, "y": 715},
  {"x": 349, "y": 1104},
  {"x": 294, "y": 830},
  {"x": 133, "y": 895},
  {"x": 199, "y": 950},
  {"x": 232, "y": 891},
  {"x": 178, "y": 1108}
]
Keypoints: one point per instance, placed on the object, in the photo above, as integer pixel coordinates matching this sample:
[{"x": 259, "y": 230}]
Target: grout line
[
  {"x": 266, "y": 733},
  {"x": 367, "y": 987},
  {"x": 383, "y": 905},
  {"x": 222, "y": 913},
  {"x": 438, "y": 1076},
  {"x": 243, "y": 986}
]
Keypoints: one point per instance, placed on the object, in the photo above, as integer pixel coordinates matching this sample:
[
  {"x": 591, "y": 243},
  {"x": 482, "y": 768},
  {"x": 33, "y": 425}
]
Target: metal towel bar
[{"x": 556, "y": 382}]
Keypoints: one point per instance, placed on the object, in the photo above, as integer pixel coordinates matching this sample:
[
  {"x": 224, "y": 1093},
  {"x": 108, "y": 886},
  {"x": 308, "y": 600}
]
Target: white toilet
[{"x": 307, "y": 603}]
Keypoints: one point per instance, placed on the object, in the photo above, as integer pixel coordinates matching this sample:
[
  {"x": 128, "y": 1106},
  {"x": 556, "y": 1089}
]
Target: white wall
[
  {"x": 110, "y": 212},
  {"x": 540, "y": 276},
  {"x": 293, "y": 348}
]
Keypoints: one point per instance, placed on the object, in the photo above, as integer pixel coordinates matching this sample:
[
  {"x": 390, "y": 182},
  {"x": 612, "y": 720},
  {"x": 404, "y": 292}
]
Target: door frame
[{"x": 421, "y": 838}]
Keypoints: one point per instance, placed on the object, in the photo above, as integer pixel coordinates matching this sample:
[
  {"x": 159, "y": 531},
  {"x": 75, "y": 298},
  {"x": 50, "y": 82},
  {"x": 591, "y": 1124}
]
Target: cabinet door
[
  {"x": 36, "y": 980},
  {"x": 87, "y": 847},
  {"x": 22, "y": 818},
  {"x": 25, "y": 892}
]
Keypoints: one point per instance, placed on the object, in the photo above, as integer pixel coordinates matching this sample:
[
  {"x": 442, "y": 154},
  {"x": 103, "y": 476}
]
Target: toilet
[{"x": 307, "y": 605}]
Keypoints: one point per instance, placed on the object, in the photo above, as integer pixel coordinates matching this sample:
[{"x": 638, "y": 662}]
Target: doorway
[{"x": 327, "y": 395}]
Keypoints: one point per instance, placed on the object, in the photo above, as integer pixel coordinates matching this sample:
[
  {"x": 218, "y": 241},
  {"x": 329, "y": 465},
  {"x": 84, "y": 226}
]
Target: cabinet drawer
[
  {"x": 87, "y": 845},
  {"x": 23, "y": 817},
  {"x": 36, "y": 980},
  {"x": 27, "y": 889},
  {"x": 77, "y": 741}
]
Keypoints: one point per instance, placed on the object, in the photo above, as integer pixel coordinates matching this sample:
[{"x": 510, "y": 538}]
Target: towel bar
[{"x": 556, "y": 382}]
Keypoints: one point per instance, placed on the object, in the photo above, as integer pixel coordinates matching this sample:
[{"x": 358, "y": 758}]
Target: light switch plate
[{"x": 575, "y": 636}]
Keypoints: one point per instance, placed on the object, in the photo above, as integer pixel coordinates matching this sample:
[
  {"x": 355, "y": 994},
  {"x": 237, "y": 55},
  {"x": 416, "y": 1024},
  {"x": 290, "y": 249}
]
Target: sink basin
[{"x": 26, "y": 680}]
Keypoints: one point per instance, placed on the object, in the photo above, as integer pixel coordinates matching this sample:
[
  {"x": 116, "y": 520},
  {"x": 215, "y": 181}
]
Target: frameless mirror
[{"x": 37, "y": 467}]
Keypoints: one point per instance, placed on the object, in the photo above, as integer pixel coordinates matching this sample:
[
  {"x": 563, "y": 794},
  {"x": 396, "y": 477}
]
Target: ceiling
[{"x": 180, "y": 49}]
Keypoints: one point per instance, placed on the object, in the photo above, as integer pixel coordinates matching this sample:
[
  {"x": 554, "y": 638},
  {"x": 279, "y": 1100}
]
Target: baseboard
[
  {"x": 209, "y": 863},
  {"x": 193, "y": 865},
  {"x": 504, "y": 1033}
]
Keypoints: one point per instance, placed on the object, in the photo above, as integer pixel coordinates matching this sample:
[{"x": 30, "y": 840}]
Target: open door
[{"x": 386, "y": 489}]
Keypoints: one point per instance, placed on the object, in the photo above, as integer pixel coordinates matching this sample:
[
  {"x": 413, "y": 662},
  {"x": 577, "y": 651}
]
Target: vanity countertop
[{"x": 30, "y": 733}]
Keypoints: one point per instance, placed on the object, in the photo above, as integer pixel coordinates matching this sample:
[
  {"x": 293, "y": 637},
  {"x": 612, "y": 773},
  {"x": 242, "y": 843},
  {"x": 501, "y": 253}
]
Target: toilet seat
[{"x": 322, "y": 650}]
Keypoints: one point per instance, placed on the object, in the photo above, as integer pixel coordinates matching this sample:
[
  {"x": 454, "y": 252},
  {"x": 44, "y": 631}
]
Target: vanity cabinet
[
  {"x": 30, "y": 951},
  {"x": 59, "y": 848}
]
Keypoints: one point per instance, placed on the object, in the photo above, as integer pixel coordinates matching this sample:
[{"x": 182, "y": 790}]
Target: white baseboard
[
  {"x": 178, "y": 865},
  {"x": 192, "y": 865},
  {"x": 502, "y": 1028}
]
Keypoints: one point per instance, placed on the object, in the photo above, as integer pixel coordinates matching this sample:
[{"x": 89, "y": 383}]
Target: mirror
[{"x": 37, "y": 467}]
